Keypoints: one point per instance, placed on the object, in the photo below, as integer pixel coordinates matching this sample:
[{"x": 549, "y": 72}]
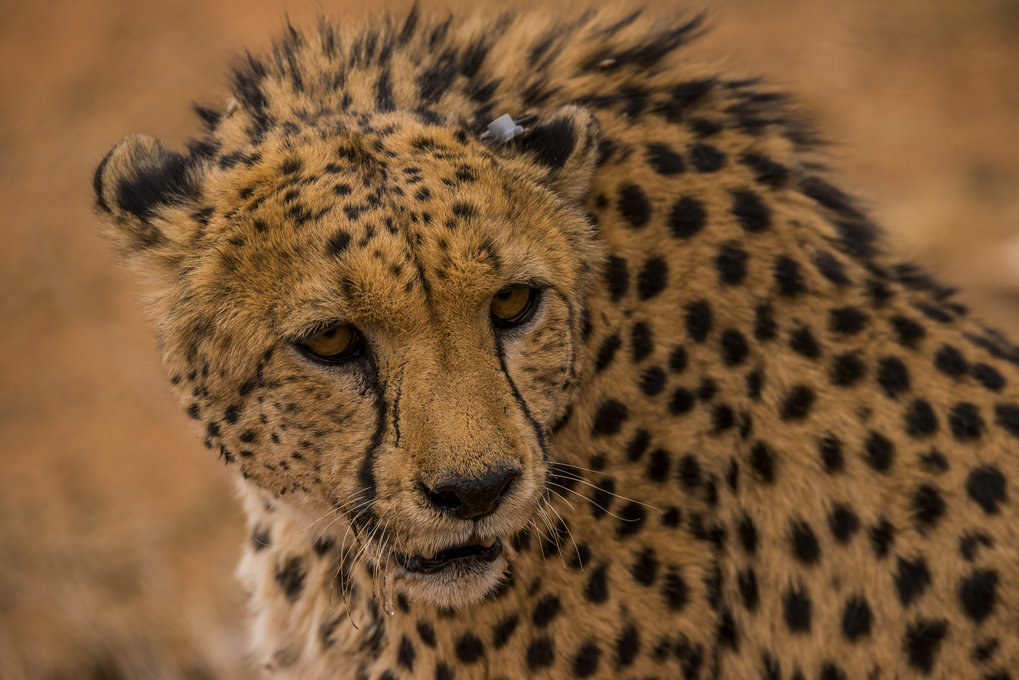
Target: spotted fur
[{"x": 751, "y": 444}]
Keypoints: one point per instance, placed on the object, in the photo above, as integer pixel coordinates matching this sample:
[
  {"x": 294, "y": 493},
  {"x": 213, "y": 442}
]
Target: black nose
[{"x": 472, "y": 497}]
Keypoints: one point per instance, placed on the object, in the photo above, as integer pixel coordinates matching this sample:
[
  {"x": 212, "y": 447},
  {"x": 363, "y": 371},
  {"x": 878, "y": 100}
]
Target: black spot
[
  {"x": 934, "y": 461},
  {"x": 606, "y": 352},
  {"x": 856, "y": 618},
  {"x": 751, "y": 212},
  {"x": 652, "y": 380},
  {"x": 631, "y": 518},
  {"x": 657, "y": 467},
  {"x": 1006, "y": 416},
  {"x": 627, "y": 646},
  {"x": 762, "y": 459},
  {"x": 689, "y": 472},
  {"x": 830, "y": 671},
  {"x": 893, "y": 376},
  {"x": 988, "y": 376},
  {"x": 788, "y": 277},
  {"x": 678, "y": 359},
  {"x": 907, "y": 331},
  {"x": 765, "y": 327},
  {"x": 747, "y": 532},
  {"x": 847, "y": 369},
  {"x": 746, "y": 580},
  {"x": 609, "y": 418},
  {"x": 675, "y": 591},
  {"x": 847, "y": 320},
  {"x": 641, "y": 342},
  {"x": 664, "y": 160},
  {"x": 911, "y": 579},
  {"x": 645, "y": 568},
  {"x": 921, "y": 421},
  {"x": 637, "y": 445},
  {"x": 540, "y": 653},
  {"x": 966, "y": 422},
  {"x": 731, "y": 263},
  {"x": 443, "y": 671},
  {"x": 634, "y": 206},
  {"x": 922, "y": 641},
  {"x": 682, "y": 401},
  {"x": 880, "y": 452},
  {"x": 469, "y": 648},
  {"x": 585, "y": 663},
  {"x": 546, "y": 610},
  {"x": 766, "y": 171},
  {"x": 928, "y": 506},
  {"x": 755, "y": 383},
  {"x": 802, "y": 341},
  {"x": 797, "y": 403},
  {"x": 882, "y": 535},
  {"x": 796, "y": 609},
  {"x": 338, "y": 243},
  {"x": 706, "y": 158},
  {"x": 734, "y": 347},
  {"x": 503, "y": 630},
  {"x": 727, "y": 633},
  {"x": 426, "y": 633},
  {"x": 831, "y": 268},
  {"x": 405, "y": 655},
  {"x": 688, "y": 216},
  {"x": 652, "y": 278},
  {"x": 830, "y": 448},
  {"x": 290, "y": 576},
  {"x": 698, "y": 320},
  {"x": 985, "y": 486},
  {"x": 950, "y": 361},
  {"x": 804, "y": 543},
  {"x": 596, "y": 589},
  {"x": 617, "y": 276},
  {"x": 843, "y": 522}
]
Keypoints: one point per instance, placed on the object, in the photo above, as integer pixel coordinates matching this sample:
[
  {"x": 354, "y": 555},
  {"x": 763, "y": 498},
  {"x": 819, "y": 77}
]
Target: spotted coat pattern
[{"x": 759, "y": 446}]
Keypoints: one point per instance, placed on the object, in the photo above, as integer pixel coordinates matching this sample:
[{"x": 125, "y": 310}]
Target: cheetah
[{"x": 543, "y": 349}]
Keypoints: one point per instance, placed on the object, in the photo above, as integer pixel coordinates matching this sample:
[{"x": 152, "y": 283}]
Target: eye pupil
[
  {"x": 334, "y": 344},
  {"x": 513, "y": 305}
]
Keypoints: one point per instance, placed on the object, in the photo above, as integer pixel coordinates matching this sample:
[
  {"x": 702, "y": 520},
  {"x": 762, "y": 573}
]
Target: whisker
[{"x": 625, "y": 498}]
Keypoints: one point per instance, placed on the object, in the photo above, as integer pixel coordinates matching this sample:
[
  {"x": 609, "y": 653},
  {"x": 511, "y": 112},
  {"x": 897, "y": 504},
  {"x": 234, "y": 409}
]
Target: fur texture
[{"x": 749, "y": 443}]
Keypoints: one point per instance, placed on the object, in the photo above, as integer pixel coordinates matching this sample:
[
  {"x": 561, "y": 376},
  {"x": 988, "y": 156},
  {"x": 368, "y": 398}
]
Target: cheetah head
[{"x": 374, "y": 318}]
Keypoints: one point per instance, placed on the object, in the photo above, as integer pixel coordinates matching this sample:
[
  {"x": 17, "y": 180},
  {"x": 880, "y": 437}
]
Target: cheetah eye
[
  {"x": 513, "y": 305},
  {"x": 334, "y": 345}
]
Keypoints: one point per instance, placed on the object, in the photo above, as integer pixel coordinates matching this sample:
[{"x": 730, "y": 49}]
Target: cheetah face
[{"x": 377, "y": 321}]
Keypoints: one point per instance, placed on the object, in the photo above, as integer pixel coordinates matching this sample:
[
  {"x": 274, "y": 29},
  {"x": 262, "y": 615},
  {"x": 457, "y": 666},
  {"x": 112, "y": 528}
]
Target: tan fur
[{"x": 744, "y": 449}]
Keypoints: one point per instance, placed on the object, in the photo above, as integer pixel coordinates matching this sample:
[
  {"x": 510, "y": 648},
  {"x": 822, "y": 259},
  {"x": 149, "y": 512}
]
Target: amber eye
[
  {"x": 333, "y": 345},
  {"x": 513, "y": 305}
]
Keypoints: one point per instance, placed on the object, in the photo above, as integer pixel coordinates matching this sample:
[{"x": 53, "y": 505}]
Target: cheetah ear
[
  {"x": 563, "y": 147},
  {"x": 134, "y": 182}
]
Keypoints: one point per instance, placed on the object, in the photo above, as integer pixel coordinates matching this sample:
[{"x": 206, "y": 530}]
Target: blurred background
[{"x": 118, "y": 532}]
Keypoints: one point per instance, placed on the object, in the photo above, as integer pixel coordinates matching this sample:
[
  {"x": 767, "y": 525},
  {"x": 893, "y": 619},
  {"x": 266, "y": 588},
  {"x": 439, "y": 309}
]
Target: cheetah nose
[{"x": 472, "y": 497}]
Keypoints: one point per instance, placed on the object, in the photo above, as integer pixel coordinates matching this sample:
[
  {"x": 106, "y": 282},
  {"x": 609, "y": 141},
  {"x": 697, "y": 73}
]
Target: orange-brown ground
[{"x": 118, "y": 531}]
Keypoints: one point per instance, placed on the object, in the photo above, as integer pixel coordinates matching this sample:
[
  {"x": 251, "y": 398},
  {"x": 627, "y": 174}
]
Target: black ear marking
[
  {"x": 563, "y": 147},
  {"x": 551, "y": 143},
  {"x": 97, "y": 182},
  {"x": 139, "y": 175}
]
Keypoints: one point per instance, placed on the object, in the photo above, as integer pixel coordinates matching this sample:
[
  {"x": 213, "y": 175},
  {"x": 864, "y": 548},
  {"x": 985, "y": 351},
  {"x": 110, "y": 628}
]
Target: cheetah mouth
[{"x": 464, "y": 555}]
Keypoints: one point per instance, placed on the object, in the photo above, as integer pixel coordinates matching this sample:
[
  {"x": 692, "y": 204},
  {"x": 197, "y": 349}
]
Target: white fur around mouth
[{"x": 480, "y": 552}]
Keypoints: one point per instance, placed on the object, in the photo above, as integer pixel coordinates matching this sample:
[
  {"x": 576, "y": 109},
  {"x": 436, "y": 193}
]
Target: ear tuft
[
  {"x": 137, "y": 177},
  {"x": 565, "y": 146}
]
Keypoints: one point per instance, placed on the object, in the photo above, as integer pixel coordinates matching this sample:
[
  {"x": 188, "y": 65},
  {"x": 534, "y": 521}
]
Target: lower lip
[{"x": 416, "y": 564}]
